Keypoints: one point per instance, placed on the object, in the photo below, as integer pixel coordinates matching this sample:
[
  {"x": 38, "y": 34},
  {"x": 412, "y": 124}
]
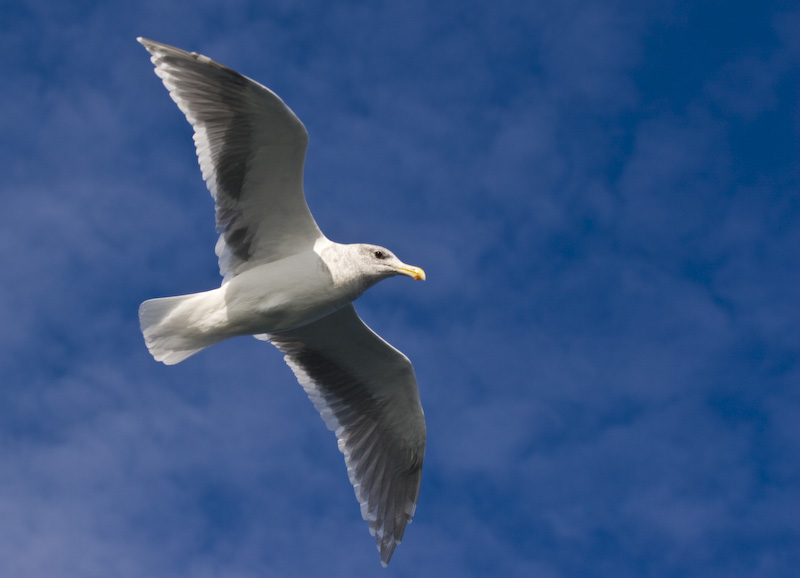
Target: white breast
[{"x": 281, "y": 295}]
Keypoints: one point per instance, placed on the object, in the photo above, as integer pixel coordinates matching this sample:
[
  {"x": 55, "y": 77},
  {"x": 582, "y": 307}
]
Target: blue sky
[{"x": 604, "y": 196}]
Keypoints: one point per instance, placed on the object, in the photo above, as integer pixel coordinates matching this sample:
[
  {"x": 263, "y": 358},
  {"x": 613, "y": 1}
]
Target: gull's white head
[
  {"x": 359, "y": 266},
  {"x": 379, "y": 263}
]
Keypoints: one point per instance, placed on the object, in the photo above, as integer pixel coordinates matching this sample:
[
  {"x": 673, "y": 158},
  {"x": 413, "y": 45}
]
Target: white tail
[{"x": 165, "y": 330}]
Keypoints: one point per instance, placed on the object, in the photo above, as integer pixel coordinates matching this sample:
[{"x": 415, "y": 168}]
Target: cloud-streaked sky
[{"x": 604, "y": 196}]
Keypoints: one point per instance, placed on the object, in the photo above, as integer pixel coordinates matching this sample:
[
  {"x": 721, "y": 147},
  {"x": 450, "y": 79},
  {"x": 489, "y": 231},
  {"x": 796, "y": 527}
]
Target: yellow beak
[{"x": 413, "y": 272}]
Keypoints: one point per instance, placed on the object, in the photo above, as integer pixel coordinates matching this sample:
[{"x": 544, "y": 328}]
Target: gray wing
[
  {"x": 366, "y": 392},
  {"x": 251, "y": 149}
]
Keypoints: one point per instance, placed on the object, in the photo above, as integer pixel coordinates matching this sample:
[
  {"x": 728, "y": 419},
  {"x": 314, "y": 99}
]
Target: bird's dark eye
[{"x": 380, "y": 255}]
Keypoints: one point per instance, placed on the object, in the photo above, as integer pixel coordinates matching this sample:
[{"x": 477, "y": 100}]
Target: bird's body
[
  {"x": 285, "y": 282},
  {"x": 269, "y": 298}
]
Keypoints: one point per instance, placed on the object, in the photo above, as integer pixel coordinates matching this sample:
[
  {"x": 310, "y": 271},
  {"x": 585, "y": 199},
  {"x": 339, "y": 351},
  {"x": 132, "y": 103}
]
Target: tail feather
[{"x": 164, "y": 333}]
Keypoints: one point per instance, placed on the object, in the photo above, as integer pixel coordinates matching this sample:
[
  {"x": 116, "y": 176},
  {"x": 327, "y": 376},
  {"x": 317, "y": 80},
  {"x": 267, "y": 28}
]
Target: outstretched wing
[
  {"x": 251, "y": 148},
  {"x": 367, "y": 394}
]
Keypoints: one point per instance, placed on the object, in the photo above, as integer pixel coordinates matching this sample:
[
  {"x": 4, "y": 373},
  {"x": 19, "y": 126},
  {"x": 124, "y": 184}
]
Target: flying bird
[{"x": 286, "y": 283}]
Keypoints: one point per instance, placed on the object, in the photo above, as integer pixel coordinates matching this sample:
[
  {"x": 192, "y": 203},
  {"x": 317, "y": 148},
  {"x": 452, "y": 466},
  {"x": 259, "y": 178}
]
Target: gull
[{"x": 284, "y": 282}]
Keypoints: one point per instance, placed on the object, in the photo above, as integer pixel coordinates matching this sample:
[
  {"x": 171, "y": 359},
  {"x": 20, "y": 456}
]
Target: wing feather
[
  {"x": 251, "y": 149},
  {"x": 367, "y": 393}
]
